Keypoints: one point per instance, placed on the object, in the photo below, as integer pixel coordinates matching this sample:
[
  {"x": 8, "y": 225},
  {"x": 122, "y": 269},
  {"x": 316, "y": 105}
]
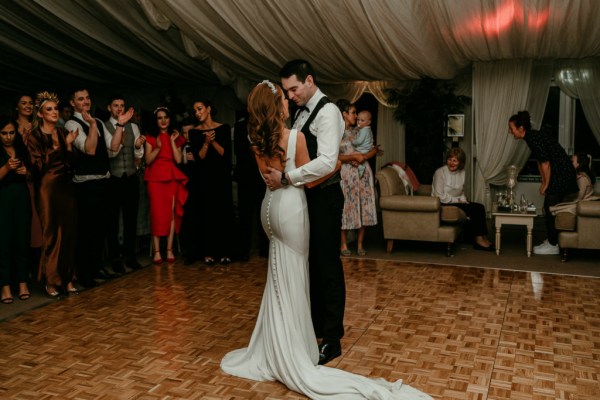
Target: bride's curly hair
[{"x": 266, "y": 121}]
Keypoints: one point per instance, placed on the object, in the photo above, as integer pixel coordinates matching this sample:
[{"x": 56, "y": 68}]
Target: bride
[{"x": 283, "y": 346}]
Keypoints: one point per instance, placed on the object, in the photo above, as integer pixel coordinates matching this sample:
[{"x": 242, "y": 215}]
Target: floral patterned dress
[{"x": 359, "y": 193}]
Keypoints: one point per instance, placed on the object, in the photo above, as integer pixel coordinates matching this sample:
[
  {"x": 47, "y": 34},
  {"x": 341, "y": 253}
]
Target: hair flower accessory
[{"x": 270, "y": 85}]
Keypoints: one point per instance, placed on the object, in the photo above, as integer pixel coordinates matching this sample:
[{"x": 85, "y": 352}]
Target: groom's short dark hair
[{"x": 300, "y": 68}]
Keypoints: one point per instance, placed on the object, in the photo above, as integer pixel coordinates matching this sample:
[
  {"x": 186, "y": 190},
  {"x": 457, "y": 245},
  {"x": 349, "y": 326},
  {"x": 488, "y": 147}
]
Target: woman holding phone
[{"x": 15, "y": 212}]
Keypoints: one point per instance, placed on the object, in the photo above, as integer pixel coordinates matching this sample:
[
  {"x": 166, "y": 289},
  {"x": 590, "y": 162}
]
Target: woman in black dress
[
  {"x": 15, "y": 211},
  {"x": 211, "y": 146}
]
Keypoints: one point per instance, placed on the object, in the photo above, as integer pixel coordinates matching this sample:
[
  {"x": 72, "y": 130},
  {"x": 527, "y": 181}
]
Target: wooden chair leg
[
  {"x": 449, "y": 249},
  {"x": 565, "y": 255},
  {"x": 390, "y": 245}
]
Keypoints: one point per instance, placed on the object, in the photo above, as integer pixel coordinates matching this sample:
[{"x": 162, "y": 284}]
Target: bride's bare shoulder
[{"x": 284, "y": 139}]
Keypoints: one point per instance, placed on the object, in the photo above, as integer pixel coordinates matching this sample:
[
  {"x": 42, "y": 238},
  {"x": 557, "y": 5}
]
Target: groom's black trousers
[{"x": 327, "y": 285}]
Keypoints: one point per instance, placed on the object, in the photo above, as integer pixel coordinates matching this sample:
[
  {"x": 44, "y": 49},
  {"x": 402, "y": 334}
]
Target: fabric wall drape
[
  {"x": 500, "y": 89},
  {"x": 390, "y": 135},
  {"x": 580, "y": 79}
]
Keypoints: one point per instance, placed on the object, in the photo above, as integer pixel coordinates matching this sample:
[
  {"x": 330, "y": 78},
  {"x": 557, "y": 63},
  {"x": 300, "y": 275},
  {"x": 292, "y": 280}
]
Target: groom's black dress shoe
[{"x": 328, "y": 351}]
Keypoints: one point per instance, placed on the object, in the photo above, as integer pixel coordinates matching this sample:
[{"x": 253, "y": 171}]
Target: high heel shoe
[
  {"x": 209, "y": 261},
  {"x": 24, "y": 296},
  {"x": 71, "y": 289},
  {"x": 52, "y": 292},
  {"x": 159, "y": 260},
  {"x": 225, "y": 261},
  {"x": 24, "y": 293},
  {"x": 170, "y": 259}
]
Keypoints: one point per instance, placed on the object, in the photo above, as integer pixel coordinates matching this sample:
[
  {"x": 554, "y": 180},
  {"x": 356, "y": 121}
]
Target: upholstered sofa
[
  {"x": 580, "y": 230},
  {"x": 418, "y": 217}
]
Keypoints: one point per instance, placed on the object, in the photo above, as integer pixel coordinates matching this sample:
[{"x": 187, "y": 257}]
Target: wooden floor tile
[{"x": 453, "y": 332}]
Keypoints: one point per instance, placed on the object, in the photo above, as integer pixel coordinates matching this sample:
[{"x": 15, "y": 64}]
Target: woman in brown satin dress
[{"x": 50, "y": 150}]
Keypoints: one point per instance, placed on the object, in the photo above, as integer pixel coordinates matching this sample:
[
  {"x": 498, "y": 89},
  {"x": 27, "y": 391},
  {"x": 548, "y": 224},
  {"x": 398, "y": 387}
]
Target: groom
[{"x": 323, "y": 126}]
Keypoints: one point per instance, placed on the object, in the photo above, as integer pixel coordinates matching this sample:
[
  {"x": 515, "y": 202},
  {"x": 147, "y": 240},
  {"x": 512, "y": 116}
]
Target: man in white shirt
[
  {"x": 124, "y": 184},
  {"x": 92, "y": 179},
  {"x": 323, "y": 126}
]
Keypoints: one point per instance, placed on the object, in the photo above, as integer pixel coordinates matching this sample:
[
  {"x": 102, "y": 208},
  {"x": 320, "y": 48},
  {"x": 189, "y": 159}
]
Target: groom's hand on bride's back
[{"x": 273, "y": 178}]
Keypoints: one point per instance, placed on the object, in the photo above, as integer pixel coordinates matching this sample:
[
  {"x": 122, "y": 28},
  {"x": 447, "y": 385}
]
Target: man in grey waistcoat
[{"x": 124, "y": 187}]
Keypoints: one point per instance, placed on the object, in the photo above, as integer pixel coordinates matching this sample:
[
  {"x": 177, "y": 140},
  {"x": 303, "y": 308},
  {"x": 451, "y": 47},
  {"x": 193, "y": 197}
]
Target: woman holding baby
[{"x": 357, "y": 177}]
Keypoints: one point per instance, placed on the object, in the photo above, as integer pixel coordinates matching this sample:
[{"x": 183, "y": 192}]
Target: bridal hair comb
[
  {"x": 270, "y": 85},
  {"x": 160, "y": 108},
  {"x": 45, "y": 96}
]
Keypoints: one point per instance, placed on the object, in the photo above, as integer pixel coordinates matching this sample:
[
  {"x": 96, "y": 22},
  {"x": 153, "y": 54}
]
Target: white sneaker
[
  {"x": 542, "y": 245},
  {"x": 547, "y": 250}
]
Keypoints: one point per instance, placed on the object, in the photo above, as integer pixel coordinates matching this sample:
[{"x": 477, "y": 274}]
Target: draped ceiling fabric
[{"x": 352, "y": 43}]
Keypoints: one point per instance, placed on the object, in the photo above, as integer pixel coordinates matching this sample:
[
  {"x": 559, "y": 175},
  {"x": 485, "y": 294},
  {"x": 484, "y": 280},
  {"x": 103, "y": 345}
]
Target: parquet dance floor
[{"x": 453, "y": 332}]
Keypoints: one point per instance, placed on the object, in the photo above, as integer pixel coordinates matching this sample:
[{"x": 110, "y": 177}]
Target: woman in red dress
[{"x": 165, "y": 182}]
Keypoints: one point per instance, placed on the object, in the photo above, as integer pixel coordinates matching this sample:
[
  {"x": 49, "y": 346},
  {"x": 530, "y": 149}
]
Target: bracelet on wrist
[{"x": 119, "y": 125}]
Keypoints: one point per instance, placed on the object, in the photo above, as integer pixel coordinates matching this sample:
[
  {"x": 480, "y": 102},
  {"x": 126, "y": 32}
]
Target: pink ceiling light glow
[{"x": 509, "y": 14}]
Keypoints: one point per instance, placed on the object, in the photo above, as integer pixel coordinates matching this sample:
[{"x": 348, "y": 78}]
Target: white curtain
[
  {"x": 580, "y": 79},
  {"x": 500, "y": 89},
  {"x": 390, "y": 135}
]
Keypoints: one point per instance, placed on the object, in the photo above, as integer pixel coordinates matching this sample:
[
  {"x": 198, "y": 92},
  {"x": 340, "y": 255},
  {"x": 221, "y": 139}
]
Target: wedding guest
[
  {"x": 165, "y": 182},
  {"x": 51, "y": 153},
  {"x": 23, "y": 112},
  {"x": 91, "y": 177},
  {"x": 363, "y": 141},
  {"x": 448, "y": 185},
  {"x": 359, "y": 189},
  {"x": 190, "y": 235},
  {"x": 124, "y": 185},
  {"x": 585, "y": 180},
  {"x": 559, "y": 179},
  {"x": 65, "y": 113},
  {"x": 15, "y": 212},
  {"x": 211, "y": 143},
  {"x": 585, "y": 174}
]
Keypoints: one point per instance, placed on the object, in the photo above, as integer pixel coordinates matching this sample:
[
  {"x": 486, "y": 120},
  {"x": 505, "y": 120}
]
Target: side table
[{"x": 514, "y": 218}]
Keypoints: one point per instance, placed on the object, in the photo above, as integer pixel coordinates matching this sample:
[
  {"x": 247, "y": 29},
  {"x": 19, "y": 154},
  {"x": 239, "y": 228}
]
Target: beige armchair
[
  {"x": 580, "y": 230},
  {"x": 418, "y": 217}
]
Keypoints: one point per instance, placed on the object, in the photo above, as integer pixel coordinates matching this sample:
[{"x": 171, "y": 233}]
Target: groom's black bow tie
[{"x": 298, "y": 112}]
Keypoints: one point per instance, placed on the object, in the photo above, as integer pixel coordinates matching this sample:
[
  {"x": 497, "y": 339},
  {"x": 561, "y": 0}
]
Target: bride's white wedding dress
[{"x": 283, "y": 346}]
